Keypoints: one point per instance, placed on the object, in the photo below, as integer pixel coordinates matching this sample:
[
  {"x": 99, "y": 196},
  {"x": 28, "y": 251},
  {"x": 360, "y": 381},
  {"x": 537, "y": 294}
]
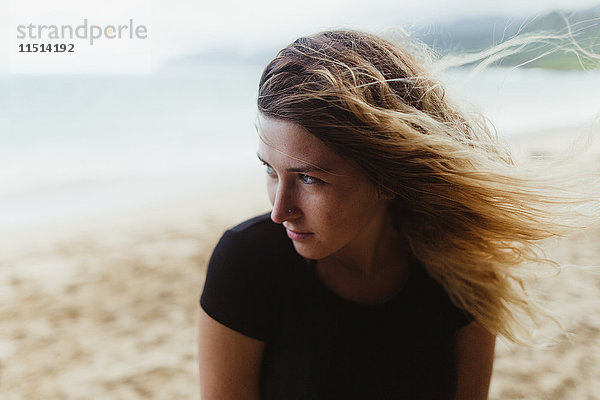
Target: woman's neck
[
  {"x": 369, "y": 275},
  {"x": 379, "y": 247}
]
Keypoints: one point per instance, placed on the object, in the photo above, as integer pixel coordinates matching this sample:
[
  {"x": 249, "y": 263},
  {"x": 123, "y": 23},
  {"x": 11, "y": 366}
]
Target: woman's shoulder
[
  {"x": 261, "y": 225},
  {"x": 433, "y": 299},
  {"x": 258, "y": 236},
  {"x": 246, "y": 274}
]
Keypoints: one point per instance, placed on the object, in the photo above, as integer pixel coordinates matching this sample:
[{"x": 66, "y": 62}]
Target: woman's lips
[{"x": 295, "y": 235}]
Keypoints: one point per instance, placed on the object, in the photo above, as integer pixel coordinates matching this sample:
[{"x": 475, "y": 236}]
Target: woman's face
[{"x": 326, "y": 204}]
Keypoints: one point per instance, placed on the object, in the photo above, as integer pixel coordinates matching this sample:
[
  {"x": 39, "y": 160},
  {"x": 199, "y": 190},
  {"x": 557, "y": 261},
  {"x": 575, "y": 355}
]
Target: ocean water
[
  {"x": 524, "y": 100},
  {"x": 72, "y": 146}
]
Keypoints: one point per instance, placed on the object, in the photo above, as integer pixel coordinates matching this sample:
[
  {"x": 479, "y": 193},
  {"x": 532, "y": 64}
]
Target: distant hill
[
  {"x": 473, "y": 35},
  {"x": 470, "y": 36}
]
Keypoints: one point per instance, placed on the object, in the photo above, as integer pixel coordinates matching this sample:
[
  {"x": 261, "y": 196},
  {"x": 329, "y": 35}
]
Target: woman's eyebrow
[{"x": 302, "y": 168}]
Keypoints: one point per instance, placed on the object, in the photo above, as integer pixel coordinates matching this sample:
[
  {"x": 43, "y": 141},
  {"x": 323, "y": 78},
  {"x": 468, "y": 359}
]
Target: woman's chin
[{"x": 307, "y": 251}]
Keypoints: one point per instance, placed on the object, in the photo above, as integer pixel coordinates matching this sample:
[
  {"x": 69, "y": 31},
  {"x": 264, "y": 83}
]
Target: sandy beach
[{"x": 105, "y": 307}]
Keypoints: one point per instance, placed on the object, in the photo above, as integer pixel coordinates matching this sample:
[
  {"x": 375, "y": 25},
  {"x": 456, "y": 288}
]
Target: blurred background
[{"x": 122, "y": 164}]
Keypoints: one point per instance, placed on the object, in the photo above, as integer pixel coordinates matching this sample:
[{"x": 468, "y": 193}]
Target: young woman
[{"x": 384, "y": 270}]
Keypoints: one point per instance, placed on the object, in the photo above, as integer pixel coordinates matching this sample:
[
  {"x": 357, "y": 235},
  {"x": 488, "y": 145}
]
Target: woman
[{"x": 384, "y": 269}]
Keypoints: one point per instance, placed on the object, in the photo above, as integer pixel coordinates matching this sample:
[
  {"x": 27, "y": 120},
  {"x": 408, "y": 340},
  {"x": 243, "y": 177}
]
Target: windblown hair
[{"x": 467, "y": 211}]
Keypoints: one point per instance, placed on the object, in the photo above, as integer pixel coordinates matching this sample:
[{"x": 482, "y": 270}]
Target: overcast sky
[{"x": 180, "y": 27}]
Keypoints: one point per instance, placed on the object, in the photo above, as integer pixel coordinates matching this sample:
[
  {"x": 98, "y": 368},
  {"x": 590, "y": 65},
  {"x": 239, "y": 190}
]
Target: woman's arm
[
  {"x": 229, "y": 362},
  {"x": 474, "y": 348}
]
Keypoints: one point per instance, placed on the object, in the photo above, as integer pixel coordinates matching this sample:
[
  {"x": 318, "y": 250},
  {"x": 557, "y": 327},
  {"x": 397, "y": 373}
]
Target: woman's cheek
[{"x": 271, "y": 190}]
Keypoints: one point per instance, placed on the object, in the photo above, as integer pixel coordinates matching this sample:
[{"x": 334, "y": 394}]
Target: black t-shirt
[{"x": 319, "y": 345}]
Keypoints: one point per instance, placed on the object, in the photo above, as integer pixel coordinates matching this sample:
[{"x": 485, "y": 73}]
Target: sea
[{"x": 78, "y": 145}]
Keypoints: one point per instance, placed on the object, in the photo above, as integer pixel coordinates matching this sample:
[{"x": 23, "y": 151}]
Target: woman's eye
[
  {"x": 270, "y": 170},
  {"x": 309, "y": 180}
]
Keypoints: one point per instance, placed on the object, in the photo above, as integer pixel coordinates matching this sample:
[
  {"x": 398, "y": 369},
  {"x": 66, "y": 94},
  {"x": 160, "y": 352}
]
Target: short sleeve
[{"x": 238, "y": 291}]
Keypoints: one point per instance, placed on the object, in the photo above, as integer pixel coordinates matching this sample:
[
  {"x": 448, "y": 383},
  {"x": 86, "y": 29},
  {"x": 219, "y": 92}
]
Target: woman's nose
[{"x": 284, "y": 207}]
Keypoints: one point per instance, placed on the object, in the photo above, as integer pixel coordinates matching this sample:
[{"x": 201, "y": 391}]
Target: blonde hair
[{"x": 468, "y": 213}]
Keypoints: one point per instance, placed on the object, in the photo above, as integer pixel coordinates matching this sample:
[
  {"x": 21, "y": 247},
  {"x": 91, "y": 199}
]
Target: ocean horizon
[{"x": 78, "y": 145}]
